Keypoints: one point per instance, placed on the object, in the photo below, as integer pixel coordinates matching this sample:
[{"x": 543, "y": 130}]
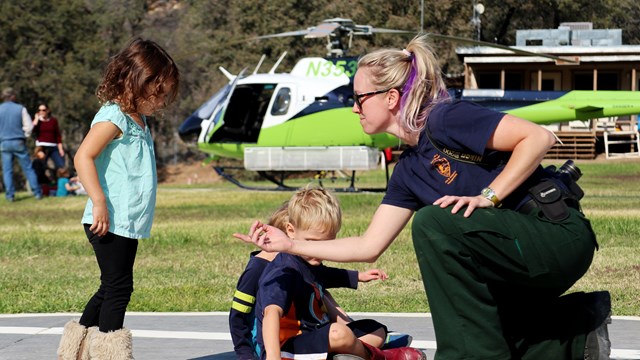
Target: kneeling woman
[{"x": 493, "y": 275}]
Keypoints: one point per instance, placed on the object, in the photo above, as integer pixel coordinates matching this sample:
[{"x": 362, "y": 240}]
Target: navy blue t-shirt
[
  {"x": 423, "y": 174},
  {"x": 298, "y": 288}
]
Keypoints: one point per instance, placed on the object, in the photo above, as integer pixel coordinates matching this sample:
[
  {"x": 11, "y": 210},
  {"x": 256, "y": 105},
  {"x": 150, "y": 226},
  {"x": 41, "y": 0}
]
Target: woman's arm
[
  {"x": 386, "y": 224},
  {"x": 271, "y": 331},
  {"x": 528, "y": 143},
  {"x": 96, "y": 140}
]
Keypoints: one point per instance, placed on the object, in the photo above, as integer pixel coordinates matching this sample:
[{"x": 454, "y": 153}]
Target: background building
[{"x": 602, "y": 62}]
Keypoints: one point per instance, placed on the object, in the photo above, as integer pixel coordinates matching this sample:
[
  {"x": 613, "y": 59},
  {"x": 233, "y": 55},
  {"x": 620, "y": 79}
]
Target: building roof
[{"x": 577, "y": 42}]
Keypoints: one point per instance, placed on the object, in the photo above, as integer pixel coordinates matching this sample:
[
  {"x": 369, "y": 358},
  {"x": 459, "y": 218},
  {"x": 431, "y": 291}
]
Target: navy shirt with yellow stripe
[
  {"x": 242, "y": 314},
  {"x": 242, "y": 319},
  {"x": 298, "y": 288}
]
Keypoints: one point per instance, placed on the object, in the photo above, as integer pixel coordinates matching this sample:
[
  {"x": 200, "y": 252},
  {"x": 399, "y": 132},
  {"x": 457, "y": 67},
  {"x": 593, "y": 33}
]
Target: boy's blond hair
[
  {"x": 280, "y": 217},
  {"x": 314, "y": 208}
]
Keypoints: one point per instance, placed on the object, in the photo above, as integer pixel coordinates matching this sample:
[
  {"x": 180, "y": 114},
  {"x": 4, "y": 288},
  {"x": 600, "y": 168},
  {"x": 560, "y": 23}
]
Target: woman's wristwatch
[{"x": 490, "y": 195}]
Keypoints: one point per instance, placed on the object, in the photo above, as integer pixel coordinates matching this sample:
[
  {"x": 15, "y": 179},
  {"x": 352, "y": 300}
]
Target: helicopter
[{"x": 303, "y": 120}]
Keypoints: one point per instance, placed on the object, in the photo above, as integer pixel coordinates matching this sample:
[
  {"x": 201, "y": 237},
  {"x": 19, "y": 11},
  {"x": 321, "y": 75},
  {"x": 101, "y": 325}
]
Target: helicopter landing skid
[{"x": 280, "y": 186}]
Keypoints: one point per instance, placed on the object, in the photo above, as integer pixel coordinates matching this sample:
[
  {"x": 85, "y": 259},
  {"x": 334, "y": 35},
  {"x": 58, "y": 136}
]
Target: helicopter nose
[{"x": 190, "y": 129}]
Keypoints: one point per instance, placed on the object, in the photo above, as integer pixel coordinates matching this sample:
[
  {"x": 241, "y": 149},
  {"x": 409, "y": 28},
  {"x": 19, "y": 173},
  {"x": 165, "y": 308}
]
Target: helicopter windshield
[
  {"x": 207, "y": 108},
  {"x": 192, "y": 125}
]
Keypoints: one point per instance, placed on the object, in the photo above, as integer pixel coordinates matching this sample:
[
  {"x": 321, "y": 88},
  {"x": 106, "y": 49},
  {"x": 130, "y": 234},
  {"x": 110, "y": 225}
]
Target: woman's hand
[
  {"x": 471, "y": 202},
  {"x": 266, "y": 237},
  {"x": 372, "y": 274}
]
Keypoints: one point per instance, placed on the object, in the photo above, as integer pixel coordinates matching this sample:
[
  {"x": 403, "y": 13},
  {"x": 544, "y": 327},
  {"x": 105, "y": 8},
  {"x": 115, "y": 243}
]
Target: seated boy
[
  {"x": 293, "y": 319},
  {"x": 242, "y": 315}
]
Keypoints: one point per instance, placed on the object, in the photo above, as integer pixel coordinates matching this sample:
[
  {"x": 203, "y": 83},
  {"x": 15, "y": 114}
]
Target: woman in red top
[{"x": 48, "y": 135}]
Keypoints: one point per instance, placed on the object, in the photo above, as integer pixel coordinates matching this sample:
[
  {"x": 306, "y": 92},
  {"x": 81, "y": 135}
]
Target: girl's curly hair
[{"x": 140, "y": 71}]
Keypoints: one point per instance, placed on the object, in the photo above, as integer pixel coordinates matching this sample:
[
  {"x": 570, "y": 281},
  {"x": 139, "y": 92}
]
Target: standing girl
[{"x": 116, "y": 164}]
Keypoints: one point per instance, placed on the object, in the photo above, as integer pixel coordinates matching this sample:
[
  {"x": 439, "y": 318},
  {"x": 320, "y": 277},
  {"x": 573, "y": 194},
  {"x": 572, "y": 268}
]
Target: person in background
[
  {"x": 67, "y": 185},
  {"x": 48, "y": 135},
  {"x": 15, "y": 128},
  {"x": 499, "y": 239},
  {"x": 116, "y": 165},
  {"x": 45, "y": 178}
]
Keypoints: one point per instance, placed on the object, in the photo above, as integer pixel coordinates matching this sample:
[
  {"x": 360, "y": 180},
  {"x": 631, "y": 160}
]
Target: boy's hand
[{"x": 372, "y": 274}]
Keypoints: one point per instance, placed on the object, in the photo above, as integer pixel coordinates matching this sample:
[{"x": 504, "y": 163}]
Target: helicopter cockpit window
[{"x": 282, "y": 101}]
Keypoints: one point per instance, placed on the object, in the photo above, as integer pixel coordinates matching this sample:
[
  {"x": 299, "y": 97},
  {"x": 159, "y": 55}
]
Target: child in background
[
  {"x": 43, "y": 173},
  {"x": 66, "y": 185},
  {"x": 293, "y": 317},
  {"x": 116, "y": 165},
  {"x": 242, "y": 315}
]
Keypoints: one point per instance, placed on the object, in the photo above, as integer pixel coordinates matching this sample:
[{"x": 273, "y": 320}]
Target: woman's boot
[
  {"x": 73, "y": 336},
  {"x": 113, "y": 345}
]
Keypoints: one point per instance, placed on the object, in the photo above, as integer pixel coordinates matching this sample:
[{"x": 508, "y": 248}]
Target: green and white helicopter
[{"x": 302, "y": 120}]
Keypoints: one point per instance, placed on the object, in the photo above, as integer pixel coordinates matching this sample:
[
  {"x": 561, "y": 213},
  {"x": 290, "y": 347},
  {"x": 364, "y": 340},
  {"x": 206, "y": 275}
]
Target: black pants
[{"x": 115, "y": 255}]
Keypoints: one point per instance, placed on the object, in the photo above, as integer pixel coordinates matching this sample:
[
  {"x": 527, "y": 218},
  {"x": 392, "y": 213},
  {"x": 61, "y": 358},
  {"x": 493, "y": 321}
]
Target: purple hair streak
[{"x": 409, "y": 83}]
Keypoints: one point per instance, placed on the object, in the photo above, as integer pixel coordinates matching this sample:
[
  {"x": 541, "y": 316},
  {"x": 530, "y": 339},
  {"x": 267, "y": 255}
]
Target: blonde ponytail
[{"x": 415, "y": 72}]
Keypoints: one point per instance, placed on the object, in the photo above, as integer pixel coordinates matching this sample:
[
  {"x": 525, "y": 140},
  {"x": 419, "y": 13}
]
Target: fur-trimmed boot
[
  {"x": 83, "y": 353},
  {"x": 73, "y": 336},
  {"x": 113, "y": 345}
]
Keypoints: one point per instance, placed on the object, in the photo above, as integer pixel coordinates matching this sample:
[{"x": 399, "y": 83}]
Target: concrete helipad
[{"x": 205, "y": 336}]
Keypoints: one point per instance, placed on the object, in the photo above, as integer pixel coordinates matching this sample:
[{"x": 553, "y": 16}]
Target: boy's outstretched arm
[
  {"x": 271, "y": 331},
  {"x": 372, "y": 274}
]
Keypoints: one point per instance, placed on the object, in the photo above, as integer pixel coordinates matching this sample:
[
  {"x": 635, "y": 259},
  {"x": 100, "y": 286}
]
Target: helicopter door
[{"x": 245, "y": 114}]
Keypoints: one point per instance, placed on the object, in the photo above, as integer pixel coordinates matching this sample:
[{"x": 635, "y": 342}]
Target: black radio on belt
[
  {"x": 555, "y": 197},
  {"x": 569, "y": 173}
]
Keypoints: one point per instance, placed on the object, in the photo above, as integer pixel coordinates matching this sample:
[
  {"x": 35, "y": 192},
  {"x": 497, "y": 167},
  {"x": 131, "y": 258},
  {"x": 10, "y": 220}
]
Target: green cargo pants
[{"x": 494, "y": 282}]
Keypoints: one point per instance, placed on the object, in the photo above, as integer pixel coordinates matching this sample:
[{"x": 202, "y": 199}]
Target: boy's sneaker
[
  {"x": 346, "y": 357},
  {"x": 598, "y": 344},
  {"x": 396, "y": 339}
]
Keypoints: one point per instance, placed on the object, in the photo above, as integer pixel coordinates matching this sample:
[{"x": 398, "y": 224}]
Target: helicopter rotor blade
[
  {"x": 284, "y": 34},
  {"x": 498, "y": 46},
  {"x": 477, "y": 43}
]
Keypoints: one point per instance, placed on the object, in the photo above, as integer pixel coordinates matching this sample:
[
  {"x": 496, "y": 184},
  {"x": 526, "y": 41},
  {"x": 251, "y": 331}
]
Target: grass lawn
[{"x": 191, "y": 262}]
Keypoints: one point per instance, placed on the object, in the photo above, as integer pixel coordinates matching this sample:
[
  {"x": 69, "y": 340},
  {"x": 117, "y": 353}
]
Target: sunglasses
[{"x": 357, "y": 97}]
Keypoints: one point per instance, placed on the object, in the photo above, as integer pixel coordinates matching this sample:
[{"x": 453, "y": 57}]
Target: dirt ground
[{"x": 188, "y": 173}]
